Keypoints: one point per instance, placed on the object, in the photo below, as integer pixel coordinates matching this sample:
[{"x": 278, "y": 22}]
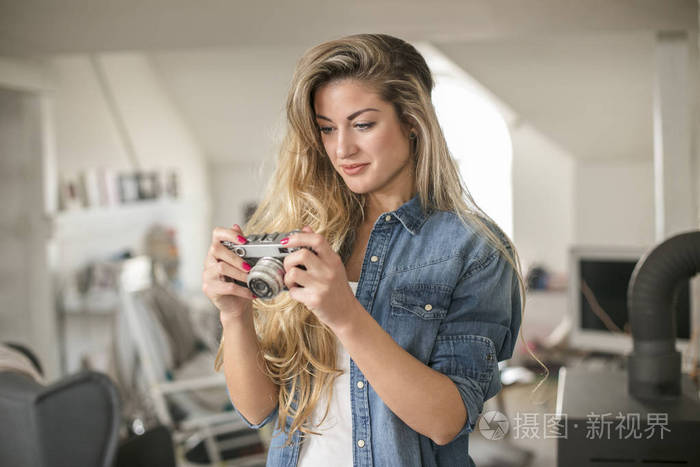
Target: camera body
[{"x": 265, "y": 254}]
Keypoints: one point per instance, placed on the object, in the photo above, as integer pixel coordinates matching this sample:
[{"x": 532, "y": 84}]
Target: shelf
[{"x": 80, "y": 223}]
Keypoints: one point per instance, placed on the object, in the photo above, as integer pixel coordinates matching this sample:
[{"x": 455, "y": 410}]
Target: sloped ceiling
[
  {"x": 592, "y": 94},
  {"x": 69, "y": 26},
  {"x": 580, "y": 71}
]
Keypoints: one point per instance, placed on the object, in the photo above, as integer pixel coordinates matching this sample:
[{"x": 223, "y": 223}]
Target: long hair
[{"x": 299, "y": 351}]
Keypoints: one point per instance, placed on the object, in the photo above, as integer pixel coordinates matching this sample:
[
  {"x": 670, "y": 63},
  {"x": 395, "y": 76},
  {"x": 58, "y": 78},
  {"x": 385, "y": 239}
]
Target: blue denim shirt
[{"x": 415, "y": 259}]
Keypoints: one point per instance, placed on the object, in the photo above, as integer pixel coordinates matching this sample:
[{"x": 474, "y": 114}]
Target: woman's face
[{"x": 364, "y": 139}]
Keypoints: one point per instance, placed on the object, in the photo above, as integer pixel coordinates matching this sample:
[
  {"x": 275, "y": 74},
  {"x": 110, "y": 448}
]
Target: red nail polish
[
  {"x": 242, "y": 239},
  {"x": 246, "y": 266},
  {"x": 284, "y": 241},
  {"x": 255, "y": 296}
]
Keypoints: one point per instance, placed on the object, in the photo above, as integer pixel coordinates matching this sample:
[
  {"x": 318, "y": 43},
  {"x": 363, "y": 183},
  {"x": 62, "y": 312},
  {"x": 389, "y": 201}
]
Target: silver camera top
[{"x": 262, "y": 245}]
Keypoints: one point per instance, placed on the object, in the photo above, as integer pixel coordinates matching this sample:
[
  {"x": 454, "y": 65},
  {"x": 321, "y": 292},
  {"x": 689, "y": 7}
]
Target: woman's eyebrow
[{"x": 351, "y": 116}]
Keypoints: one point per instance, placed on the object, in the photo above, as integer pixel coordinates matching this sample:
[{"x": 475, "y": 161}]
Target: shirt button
[
  {"x": 374, "y": 259},
  {"x": 428, "y": 307},
  {"x": 360, "y": 384},
  {"x": 387, "y": 218},
  {"x": 361, "y": 443}
]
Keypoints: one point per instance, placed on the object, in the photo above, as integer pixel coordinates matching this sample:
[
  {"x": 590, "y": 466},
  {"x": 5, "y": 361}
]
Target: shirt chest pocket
[
  {"x": 424, "y": 301},
  {"x": 416, "y": 313}
]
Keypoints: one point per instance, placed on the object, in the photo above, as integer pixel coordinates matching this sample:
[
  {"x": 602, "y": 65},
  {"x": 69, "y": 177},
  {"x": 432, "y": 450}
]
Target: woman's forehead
[{"x": 346, "y": 95}]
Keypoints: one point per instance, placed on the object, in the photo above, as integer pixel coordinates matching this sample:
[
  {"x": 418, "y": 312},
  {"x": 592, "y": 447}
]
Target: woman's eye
[
  {"x": 364, "y": 126},
  {"x": 325, "y": 129}
]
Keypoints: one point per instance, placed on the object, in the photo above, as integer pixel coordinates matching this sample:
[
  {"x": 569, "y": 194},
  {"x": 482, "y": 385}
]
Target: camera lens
[
  {"x": 260, "y": 288},
  {"x": 266, "y": 279}
]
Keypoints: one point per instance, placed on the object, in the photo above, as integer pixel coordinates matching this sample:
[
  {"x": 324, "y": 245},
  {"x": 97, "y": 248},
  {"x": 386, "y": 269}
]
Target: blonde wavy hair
[{"x": 299, "y": 351}]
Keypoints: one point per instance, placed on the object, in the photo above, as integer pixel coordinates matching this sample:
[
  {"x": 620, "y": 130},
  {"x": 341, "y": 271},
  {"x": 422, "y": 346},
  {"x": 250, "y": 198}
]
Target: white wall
[
  {"x": 543, "y": 199},
  {"x": 233, "y": 186},
  {"x": 86, "y": 135},
  {"x": 615, "y": 203},
  {"x": 234, "y": 97}
]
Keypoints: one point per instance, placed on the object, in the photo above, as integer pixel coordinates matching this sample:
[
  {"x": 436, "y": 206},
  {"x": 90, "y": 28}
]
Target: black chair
[{"x": 73, "y": 422}]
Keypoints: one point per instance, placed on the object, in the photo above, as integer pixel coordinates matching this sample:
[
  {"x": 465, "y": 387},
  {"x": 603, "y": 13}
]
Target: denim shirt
[{"x": 451, "y": 300}]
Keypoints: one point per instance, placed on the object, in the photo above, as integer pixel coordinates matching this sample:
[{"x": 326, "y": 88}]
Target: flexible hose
[{"x": 654, "y": 369}]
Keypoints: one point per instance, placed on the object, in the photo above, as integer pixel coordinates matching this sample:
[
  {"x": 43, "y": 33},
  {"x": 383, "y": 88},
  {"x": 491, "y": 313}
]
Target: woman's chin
[
  {"x": 356, "y": 185},
  {"x": 359, "y": 188}
]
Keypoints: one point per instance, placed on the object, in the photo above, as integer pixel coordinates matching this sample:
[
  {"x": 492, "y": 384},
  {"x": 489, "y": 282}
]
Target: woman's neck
[{"x": 379, "y": 204}]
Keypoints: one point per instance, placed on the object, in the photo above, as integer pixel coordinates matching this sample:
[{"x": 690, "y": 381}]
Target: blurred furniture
[
  {"x": 177, "y": 371},
  {"x": 152, "y": 448},
  {"x": 72, "y": 422}
]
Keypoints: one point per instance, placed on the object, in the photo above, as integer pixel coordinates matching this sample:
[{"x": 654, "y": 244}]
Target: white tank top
[{"x": 334, "y": 445}]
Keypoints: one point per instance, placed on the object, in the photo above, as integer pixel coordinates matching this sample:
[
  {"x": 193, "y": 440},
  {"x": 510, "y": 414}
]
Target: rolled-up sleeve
[
  {"x": 479, "y": 329},
  {"x": 255, "y": 426}
]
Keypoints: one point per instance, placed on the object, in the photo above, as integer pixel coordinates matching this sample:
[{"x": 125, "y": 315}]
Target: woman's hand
[
  {"x": 231, "y": 299},
  {"x": 323, "y": 286}
]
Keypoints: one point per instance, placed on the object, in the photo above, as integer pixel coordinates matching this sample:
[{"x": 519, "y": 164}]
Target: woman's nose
[{"x": 345, "y": 144}]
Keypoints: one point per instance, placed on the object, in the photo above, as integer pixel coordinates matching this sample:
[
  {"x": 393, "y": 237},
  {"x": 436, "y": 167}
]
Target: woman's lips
[{"x": 353, "y": 169}]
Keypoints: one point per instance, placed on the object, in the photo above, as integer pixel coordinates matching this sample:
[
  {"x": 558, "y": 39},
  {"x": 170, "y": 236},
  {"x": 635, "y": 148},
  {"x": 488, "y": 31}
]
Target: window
[{"x": 478, "y": 138}]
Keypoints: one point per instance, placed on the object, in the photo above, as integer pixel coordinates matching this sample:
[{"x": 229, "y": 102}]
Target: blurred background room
[{"x": 130, "y": 129}]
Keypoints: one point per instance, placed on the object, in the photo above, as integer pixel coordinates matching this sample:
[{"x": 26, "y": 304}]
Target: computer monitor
[{"x": 599, "y": 279}]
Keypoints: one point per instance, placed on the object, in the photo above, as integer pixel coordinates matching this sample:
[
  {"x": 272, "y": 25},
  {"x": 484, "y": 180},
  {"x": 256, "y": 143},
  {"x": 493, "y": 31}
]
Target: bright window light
[{"x": 478, "y": 138}]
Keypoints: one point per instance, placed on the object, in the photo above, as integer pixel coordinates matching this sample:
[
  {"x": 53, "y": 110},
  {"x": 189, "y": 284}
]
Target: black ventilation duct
[{"x": 654, "y": 366}]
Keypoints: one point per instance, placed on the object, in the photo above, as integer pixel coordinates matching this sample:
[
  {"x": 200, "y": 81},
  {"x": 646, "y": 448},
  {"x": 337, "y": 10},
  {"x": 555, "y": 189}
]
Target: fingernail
[
  {"x": 255, "y": 296},
  {"x": 246, "y": 266},
  {"x": 284, "y": 241},
  {"x": 242, "y": 239}
]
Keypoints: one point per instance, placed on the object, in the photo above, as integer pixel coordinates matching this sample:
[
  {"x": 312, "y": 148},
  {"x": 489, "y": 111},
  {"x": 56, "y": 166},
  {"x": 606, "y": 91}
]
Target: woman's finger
[
  {"x": 222, "y": 253},
  {"x": 220, "y": 234},
  {"x": 306, "y": 258},
  {"x": 222, "y": 269},
  {"x": 316, "y": 242},
  {"x": 212, "y": 288},
  {"x": 305, "y": 296},
  {"x": 297, "y": 277}
]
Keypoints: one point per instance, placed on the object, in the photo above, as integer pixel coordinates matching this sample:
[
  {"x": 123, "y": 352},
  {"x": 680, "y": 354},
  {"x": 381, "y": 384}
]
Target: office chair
[{"x": 74, "y": 421}]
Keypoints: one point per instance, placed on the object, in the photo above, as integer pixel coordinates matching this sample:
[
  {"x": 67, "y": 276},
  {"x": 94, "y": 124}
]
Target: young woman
[{"x": 386, "y": 345}]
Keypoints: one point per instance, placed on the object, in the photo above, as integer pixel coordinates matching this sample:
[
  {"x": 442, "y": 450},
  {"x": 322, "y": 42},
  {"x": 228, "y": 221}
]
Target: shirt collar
[{"x": 412, "y": 215}]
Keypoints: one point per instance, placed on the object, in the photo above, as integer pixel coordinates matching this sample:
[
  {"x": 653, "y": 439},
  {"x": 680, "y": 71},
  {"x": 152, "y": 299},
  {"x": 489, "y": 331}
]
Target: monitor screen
[
  {"x": 603, "y": 297},
  {"x": 599, "y": 279}
]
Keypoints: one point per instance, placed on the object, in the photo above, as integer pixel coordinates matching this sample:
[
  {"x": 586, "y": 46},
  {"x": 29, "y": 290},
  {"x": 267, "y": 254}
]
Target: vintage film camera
[{"x": 265, "y": 254}]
